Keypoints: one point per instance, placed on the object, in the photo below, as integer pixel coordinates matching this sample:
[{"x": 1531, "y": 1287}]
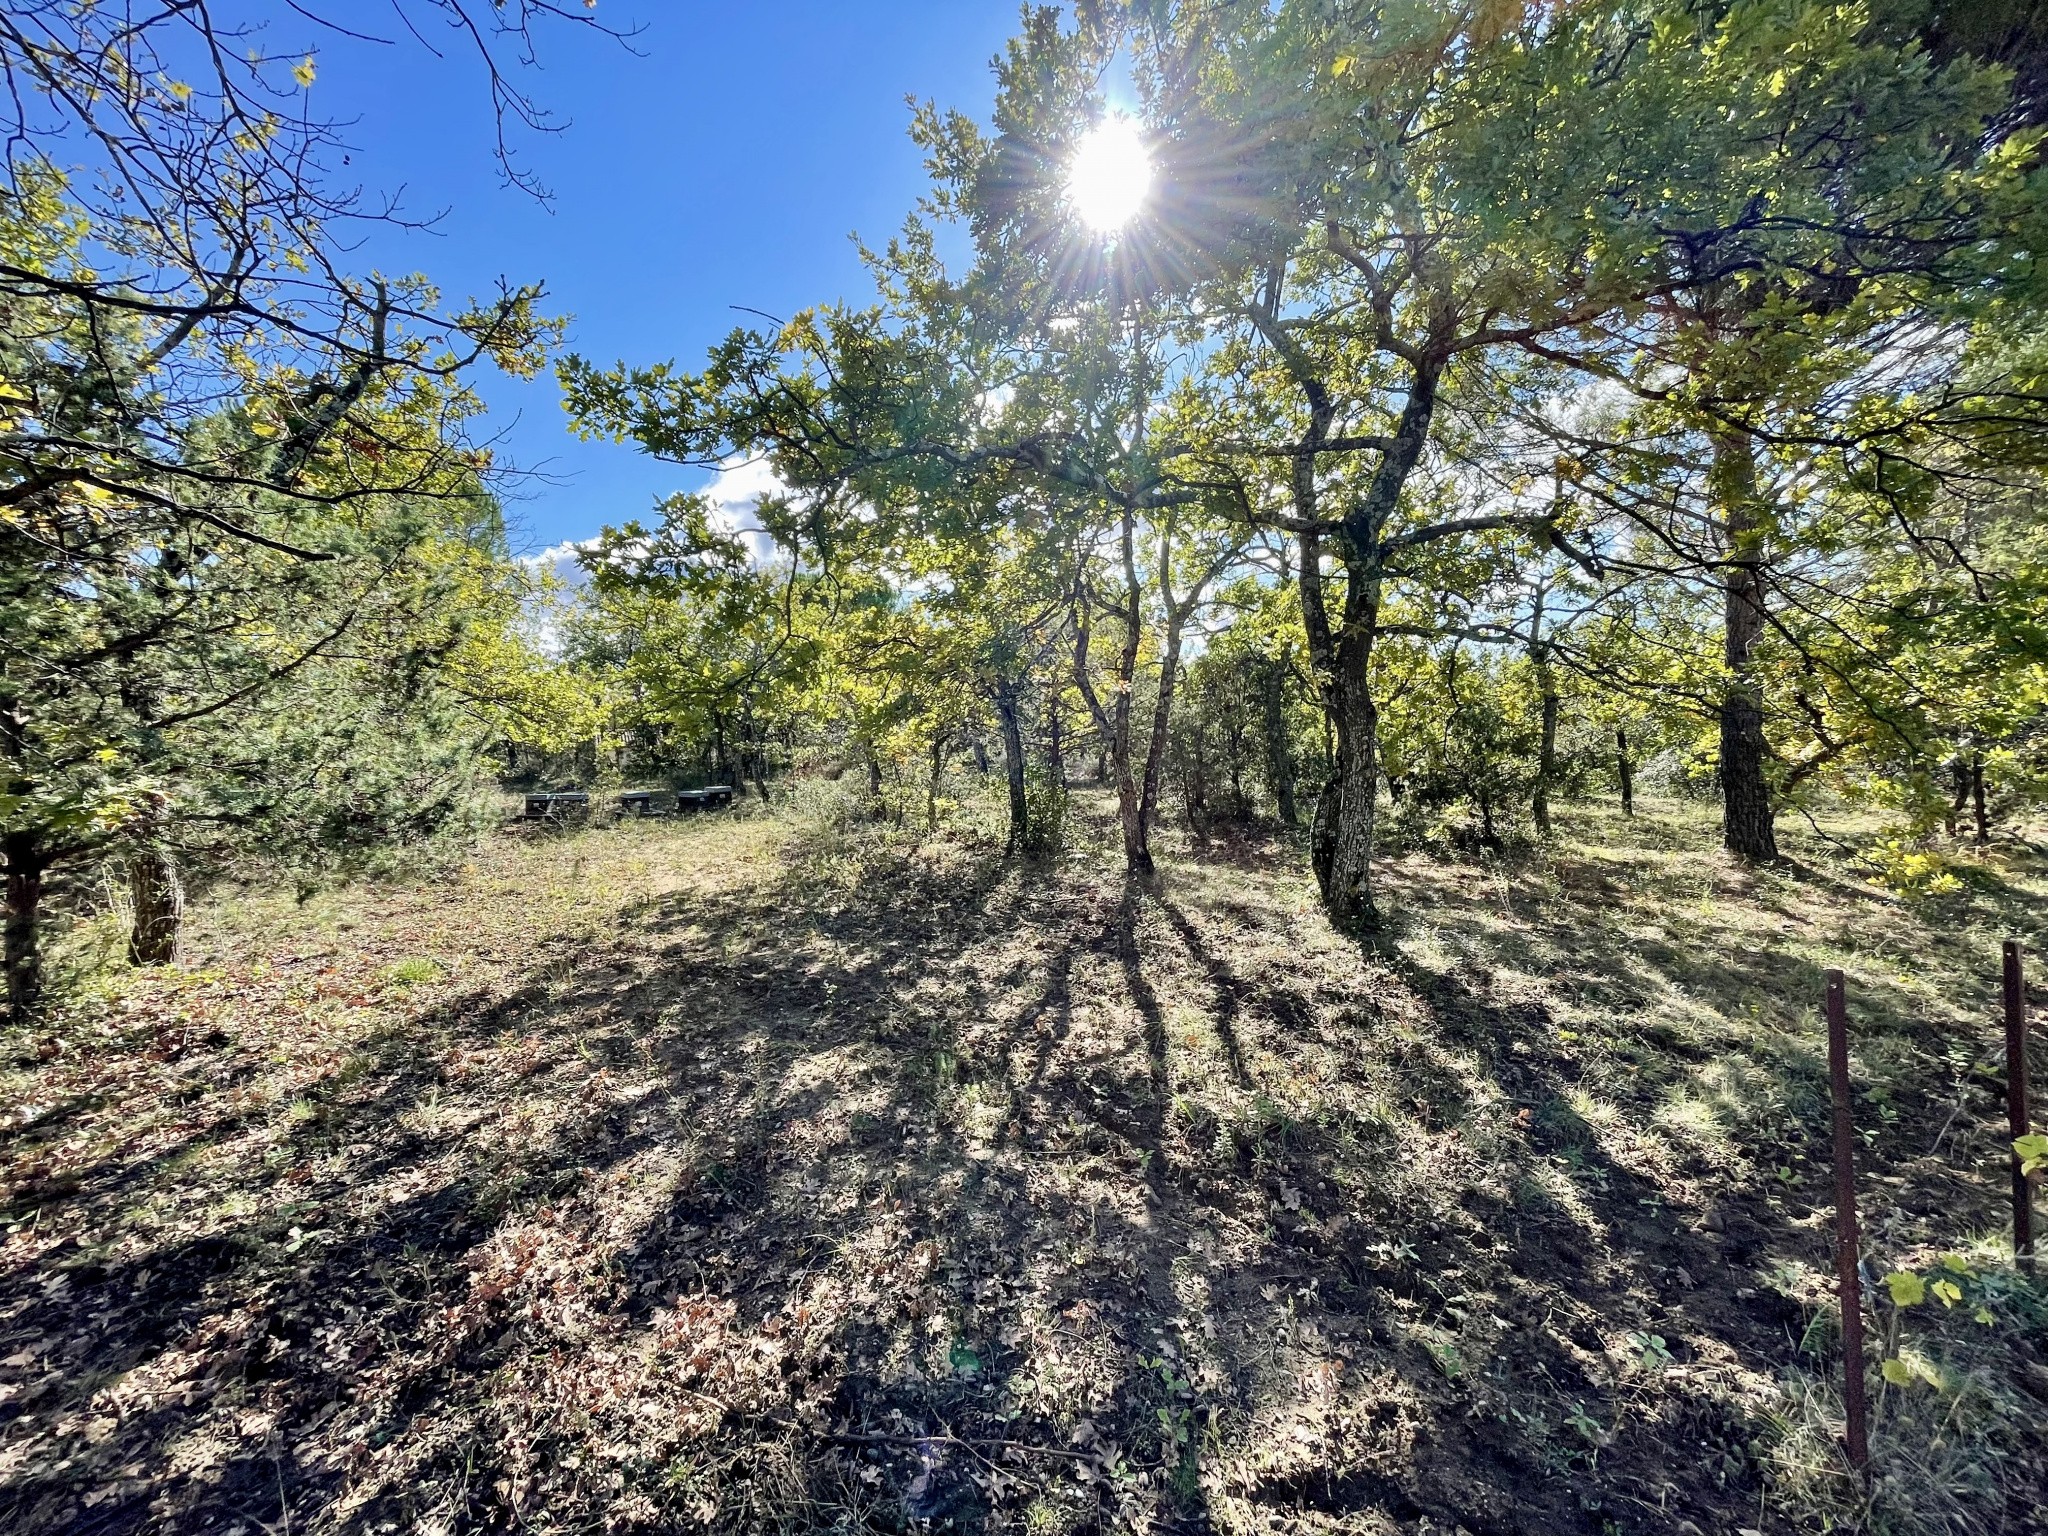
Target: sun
[{"x": 1110, "y": 175}]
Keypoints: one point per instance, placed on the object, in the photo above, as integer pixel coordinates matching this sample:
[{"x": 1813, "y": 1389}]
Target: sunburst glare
[{"x": 1110, "y": 175}]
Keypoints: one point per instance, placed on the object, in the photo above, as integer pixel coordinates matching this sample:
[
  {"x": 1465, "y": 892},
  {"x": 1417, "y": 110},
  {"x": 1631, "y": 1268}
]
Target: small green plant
[
  {"x": 2032, "y": 1151},
  {"x": 1653, "y": 1355},
  {"x": 1589, "y": 1428},
  {"x": 1177, "y": 1426},
  {"x": 1910, "y": 872},
  {"x": 1045, "y": 816},
  {"x": 1951, "y": 1283},
  {"x": 1449, "y": 1359},
  {"x": 413, "y": 971}
]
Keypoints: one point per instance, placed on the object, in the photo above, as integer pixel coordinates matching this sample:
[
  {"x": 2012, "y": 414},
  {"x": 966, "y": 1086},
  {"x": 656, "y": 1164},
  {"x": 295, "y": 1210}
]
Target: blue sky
[{"x": 725, "y": 165}]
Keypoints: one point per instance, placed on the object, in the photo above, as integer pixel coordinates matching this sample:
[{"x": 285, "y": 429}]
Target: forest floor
[{"x": 771, "y": 1173}]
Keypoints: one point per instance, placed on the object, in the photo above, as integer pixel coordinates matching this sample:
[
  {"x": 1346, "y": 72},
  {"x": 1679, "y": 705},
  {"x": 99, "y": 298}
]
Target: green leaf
[
  {"x": 1908, "y": 1289},
  {"x": 1897, "y": 1372},
  {"x": 2032, "y": 1151}
]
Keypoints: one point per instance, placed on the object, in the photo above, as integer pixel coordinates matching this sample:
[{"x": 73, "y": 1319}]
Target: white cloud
[
  {"x": 735, "y": 498},
  {"x": 559, "y": 560},
  {"x": 543, "y": 613}
]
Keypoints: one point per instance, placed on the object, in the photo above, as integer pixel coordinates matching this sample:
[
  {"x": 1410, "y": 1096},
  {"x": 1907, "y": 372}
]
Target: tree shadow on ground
[{"x": 886, "y": 1187}]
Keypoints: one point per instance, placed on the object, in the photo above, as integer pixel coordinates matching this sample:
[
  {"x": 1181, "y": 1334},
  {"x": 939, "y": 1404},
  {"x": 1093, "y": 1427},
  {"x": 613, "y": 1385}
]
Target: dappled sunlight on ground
[{"x": 754, "y": 1175}]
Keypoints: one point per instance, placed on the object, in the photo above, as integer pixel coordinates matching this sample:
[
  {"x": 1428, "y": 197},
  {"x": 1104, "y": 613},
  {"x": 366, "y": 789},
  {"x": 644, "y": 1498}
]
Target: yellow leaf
[
  {"x": 1344, "y": 65},
  {"x": 1897, "y": 1372},
  {"x": 181, "y": 90},
  {"x": 1908, "y": 1290},
  {"x": 1949, "y": 1292},
  {"x": 303, "y": 72},
  {"x": 1955, "y": 1264},
  {"x": 1983, "y": 1315}
]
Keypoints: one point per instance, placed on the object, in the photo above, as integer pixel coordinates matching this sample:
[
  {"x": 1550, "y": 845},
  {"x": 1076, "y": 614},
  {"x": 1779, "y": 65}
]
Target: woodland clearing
[{"x": 785, "y": 1172}]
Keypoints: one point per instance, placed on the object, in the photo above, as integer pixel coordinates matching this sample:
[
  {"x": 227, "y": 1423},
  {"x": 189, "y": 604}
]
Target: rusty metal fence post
[
  {"x": 1846, "y": 1244},
  {"x": 2016, "y": 1101}
]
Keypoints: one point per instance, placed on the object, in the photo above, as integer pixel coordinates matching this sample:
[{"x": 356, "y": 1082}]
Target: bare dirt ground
[{"x": 761, "y": 1175}]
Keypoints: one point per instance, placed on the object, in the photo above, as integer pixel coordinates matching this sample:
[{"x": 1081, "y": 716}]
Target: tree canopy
[{"x": 1665, "y": 353}]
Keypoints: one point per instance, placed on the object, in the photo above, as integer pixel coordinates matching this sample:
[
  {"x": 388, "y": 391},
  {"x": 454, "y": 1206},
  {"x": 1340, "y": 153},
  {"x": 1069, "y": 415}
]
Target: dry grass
[{"x": 767, "y": 1174}]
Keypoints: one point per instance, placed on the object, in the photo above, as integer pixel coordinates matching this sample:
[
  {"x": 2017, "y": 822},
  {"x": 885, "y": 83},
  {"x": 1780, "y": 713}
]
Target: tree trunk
[
  {"x": 1130, "y": 808},
  {"x": 1347, "y": 887},
  {"x": 1747, "y": 821},
  {"x": 1279, "y": 753},
  {"x": 159, "y": 902},
  {"x": 1322, "y": 650},
  {"x": 1322, "y": 835},
  {"x": 1627, "y": 770},
  {"x": 1546, "y": 748},
  {"x": 1162, "y": 716},
  {"x": 980, "y": 756},
  {"x": 1055, "y": 749},
  {"x": 759, "y": 763},
  {"x": 931, "y": 785},
  {"x": 25, "y": 869},
  {"x": 1013, "y": 767},
  {"x": 1134, "y": 792},
  {"x": 1977, "y": 799},
  {"x": 1748, "y": 818},
  {"x": 1343, "y": 842},
  {"x": 1546, "y": 684}
]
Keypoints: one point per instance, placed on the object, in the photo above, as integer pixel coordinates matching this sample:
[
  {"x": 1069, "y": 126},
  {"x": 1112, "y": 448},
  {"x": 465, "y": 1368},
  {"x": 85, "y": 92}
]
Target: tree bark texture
[
  {"x": 1162, "y": 715},
  {"x": 158, "y": 899},
  {"x": 1344, "y": 660},
  {"x": 1347, "y": 887},
  {"x": 1748, "y": 817},
  {"x": 1013, "y": 766}
]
